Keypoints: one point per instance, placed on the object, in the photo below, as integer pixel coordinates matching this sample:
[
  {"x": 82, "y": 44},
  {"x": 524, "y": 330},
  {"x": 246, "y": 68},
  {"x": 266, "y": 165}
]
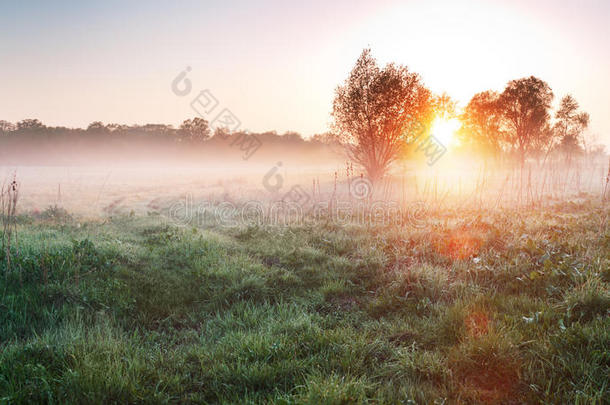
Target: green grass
[{"x": 504, "y": 307}]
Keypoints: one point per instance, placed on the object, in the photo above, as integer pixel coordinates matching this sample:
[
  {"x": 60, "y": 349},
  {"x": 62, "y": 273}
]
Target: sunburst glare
[{"x": 444, "y": 130}]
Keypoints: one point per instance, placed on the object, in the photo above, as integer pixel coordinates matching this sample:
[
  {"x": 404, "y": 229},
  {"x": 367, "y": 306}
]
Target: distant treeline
[{"x": 30, "y": 142}]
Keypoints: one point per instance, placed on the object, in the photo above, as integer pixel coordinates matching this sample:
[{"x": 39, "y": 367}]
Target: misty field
[
  {"x": 325, "y": 203},
  {"x": 477, "y": 306}
]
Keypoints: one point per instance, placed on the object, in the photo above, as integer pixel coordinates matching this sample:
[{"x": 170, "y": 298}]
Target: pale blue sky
[{"x": 276, "y": 63}]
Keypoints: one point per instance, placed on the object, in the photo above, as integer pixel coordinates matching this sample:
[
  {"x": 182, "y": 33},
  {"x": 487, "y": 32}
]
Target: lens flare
[{"x": 444, "y": 130}]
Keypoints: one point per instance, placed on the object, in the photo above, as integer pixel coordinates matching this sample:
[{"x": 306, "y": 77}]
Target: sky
[{"x": 275, "y": 64}]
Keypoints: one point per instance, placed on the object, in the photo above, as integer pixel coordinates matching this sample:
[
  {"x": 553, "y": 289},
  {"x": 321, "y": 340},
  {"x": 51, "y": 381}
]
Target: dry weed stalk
[
  {"x": 604, "y": 215},
  {"x": 607, "y": 181},
  {"x": 9, "y": 196}
]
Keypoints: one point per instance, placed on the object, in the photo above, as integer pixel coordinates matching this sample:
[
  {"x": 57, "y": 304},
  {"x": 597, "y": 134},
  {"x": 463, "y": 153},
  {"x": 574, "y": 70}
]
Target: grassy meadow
[
  {"x": 318, "y": 203},
  {"x": 478, "y": 306}
]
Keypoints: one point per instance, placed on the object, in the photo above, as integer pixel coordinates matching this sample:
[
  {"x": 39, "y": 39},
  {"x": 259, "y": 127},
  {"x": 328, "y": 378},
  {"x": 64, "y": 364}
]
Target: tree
[
  {"x": 326, "y": 138},
  {"x": 196, "y": 129},
  {"x": 444, "y": 106},
  {"x": 97, "y": 127},
  {"x": 525, "y": 105},
  {"x": 482, "y": 123},
  {"x": 221, "y": 133},
  {"x": 6, "y": 127},
  {"x": 570, "y": 125},
  {"x": 117, "y": 127},
  {"x": 590, "y": 143},
  {"x": 373, "y": 111},
  {"x": 293, "y": 137},
  {"x": 30, "y": 125}
]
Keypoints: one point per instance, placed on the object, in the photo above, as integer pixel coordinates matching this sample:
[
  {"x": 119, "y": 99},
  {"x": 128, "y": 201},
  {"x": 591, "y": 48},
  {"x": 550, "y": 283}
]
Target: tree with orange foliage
[{"x": 374, "y": 111}]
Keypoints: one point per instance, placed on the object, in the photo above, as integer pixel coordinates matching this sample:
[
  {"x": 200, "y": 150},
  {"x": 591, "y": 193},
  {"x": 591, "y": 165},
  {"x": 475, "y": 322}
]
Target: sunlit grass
[{"x": 309, "y": 314}]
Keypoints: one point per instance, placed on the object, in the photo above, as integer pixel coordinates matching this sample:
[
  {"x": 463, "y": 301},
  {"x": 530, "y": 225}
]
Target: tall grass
[{"x": 506, "y": 307}]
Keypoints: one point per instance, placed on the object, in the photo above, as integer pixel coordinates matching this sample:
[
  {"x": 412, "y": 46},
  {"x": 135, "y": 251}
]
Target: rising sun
[{"x": 444, "y": 130}]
